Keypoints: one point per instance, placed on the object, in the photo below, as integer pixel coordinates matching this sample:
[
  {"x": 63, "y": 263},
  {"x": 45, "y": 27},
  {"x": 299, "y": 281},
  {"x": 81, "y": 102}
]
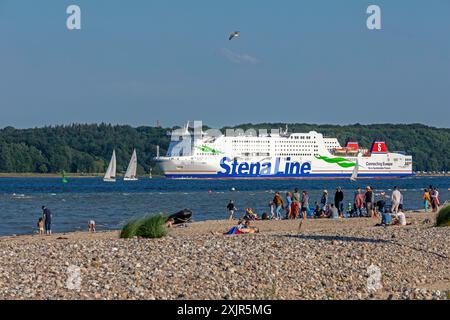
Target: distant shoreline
[
  {"x": 99, "y": 175},
  {"x": 58, "y": 175}
]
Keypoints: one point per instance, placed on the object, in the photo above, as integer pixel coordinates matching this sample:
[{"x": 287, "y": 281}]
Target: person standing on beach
[
  {"x": 395, "y": 200},
  {"x": 279, "y": 204},
  {"x": 288, "y": 205},
  {"x": 305, "y": 204},
  {"x": 295, "y": 203},
  {"x": 339, "y": 200},
  {"x": 231, "y": 209},
  {"x": 435, "y": 199},
  {"x": 324, "y": 200},
  {"x": 47, "y": 216},
  {"x": 426, "y": 200},
  {"x": 358, "y": 203}
]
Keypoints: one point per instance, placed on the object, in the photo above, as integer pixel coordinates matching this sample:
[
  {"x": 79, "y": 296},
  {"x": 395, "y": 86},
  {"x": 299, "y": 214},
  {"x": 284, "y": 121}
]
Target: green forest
[{"x": 87, "y": 148}]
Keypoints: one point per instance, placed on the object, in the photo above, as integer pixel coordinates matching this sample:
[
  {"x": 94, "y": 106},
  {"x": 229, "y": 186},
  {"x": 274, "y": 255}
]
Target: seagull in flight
[{"x": 234, "y": 34}]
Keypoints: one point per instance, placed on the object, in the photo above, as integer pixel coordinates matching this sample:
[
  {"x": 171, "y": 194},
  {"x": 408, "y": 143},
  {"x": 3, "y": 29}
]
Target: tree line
[{"x": 87, "y": 148}]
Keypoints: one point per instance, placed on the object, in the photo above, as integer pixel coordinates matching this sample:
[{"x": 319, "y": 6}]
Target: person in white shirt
[
  {"x": 396, "y": 199},
  {"x": 400, "y": 219}
]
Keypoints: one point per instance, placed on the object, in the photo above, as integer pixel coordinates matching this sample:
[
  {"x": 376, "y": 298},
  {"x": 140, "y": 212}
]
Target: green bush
[
  {"x": 443, "y": 217},
  {"x": 129, "y": 230},
  {"x": 151, "y": 226}
]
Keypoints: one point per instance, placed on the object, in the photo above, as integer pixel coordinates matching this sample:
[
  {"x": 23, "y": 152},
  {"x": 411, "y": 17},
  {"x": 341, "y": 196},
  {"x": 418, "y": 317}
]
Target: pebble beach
[{"x": 327, "y": 259}]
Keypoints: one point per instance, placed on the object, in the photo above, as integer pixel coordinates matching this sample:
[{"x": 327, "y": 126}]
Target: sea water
[{"x": 112, "y": 204}]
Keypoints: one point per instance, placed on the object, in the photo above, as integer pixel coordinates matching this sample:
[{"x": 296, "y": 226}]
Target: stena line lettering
[{"x": 235, "y": 168}]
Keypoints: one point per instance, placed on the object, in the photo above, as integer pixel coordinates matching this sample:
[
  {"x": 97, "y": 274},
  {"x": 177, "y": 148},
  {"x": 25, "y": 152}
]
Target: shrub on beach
[
  {"x": 150, "y": 226},
  {"x": 443, "y": 217},
  {"x": 129, "y": 230}
]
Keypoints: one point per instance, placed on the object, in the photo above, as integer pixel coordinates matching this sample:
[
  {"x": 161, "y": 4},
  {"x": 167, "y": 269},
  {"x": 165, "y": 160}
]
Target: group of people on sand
[
  {"x": 430, "y": 199},
  {"x": 44, "y": 223}
]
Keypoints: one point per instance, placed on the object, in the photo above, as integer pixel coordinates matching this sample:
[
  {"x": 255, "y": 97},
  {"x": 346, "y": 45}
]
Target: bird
[{"x": 234, "y": 34}]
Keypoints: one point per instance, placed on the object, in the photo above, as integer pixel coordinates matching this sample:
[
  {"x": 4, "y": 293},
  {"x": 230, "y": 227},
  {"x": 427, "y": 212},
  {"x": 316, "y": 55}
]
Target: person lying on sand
[
  {"x": 246, "y": 228},
  {"x": 241, "y": 228}
]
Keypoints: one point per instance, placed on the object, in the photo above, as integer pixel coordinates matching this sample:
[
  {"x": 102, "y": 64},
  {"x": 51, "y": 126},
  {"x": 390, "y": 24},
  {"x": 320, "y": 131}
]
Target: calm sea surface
[{"x": 112, "y": 204}]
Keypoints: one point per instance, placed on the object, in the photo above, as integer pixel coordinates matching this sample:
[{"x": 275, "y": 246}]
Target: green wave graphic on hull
[
  {"x": 208, "y": 149},
  {"x": 342, "y": 162}
]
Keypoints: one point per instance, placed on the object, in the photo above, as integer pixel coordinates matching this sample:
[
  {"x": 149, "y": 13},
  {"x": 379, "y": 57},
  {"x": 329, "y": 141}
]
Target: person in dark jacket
[
  {"x": 47, "y": 216},
  {"x": 339, "y": 200},
  {"x": 231, "y": 209}
]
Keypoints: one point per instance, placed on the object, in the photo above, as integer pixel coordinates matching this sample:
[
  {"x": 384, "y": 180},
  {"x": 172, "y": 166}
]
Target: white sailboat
[
  {"x": 356, "y": 169},
  {"x": 130, "y": 175},
  {"x": 110, "y": 175},
  {"x": 150, "y": 174}
]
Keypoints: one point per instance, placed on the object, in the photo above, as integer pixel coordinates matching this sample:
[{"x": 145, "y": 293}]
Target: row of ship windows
[{"x": 293, "y": 154}]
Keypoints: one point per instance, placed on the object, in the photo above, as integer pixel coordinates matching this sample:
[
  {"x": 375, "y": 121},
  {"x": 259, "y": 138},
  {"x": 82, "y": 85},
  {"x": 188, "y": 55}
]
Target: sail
[
  {"x": 110, "y": 174},
  {"x": 132, "y": 167},
  {"x": 356, "y": 169}
]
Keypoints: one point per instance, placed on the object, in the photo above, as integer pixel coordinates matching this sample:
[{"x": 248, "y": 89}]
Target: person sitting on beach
[
  {"x": 250, "y": 215},
  {"x": 386, "y": 219},
  {"x": 324, "y": 213},
  {"x": 399, "y": 219},
  {"x": 333, "y": 212},
  {"x": 91, "y": 226},
  {"x": 40, "y": 225},
  {"x": 317, "y": 210}
]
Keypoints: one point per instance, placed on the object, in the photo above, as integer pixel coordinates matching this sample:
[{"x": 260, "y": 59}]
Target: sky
[{"x": 137, "y": 61}]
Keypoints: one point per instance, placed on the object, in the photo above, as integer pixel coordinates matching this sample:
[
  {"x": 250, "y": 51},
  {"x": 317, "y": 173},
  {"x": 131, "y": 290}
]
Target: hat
[{"x": 325, "y": 191}]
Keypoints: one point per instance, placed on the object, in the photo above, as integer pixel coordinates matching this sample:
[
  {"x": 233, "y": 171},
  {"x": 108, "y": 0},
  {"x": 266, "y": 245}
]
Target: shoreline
[
  {"x": 100, "y": 175},
  {"x": 329, "y": 259}
]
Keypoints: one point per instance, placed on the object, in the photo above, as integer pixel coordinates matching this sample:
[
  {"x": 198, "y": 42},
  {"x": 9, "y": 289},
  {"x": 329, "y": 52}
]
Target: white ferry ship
[{"x": 277, "y": 155}]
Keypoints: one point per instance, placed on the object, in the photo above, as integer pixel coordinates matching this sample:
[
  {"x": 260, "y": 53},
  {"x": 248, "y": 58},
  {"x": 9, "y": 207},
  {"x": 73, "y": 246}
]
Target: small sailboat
[
  {"x": 110, "y": 175},
  {"x": 130, "y": 175},
  {"x": 356, "y": 169},
  {"x": 150, "y": 174}
]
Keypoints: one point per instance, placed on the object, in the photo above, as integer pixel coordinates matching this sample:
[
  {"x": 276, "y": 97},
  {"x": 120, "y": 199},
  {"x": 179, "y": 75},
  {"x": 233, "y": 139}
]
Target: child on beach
[
  {"x": 91, "y": 226},
  {"x": 40, "y": 225}
]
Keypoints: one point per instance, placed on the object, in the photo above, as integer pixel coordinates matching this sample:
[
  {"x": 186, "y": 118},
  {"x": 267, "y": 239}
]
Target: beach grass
[
  {"x": 149, "y": 226},
  {"x": 129, "y": 230},
  {"x": 443, "y": 217}
]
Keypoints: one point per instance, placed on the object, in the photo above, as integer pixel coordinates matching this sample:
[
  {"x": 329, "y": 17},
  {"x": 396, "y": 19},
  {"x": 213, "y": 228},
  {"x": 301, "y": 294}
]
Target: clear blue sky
[{"x": 296, "y": 61}]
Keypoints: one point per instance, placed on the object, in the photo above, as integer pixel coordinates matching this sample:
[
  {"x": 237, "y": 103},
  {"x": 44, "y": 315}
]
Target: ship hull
[{"x": 376, "y": 167}]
